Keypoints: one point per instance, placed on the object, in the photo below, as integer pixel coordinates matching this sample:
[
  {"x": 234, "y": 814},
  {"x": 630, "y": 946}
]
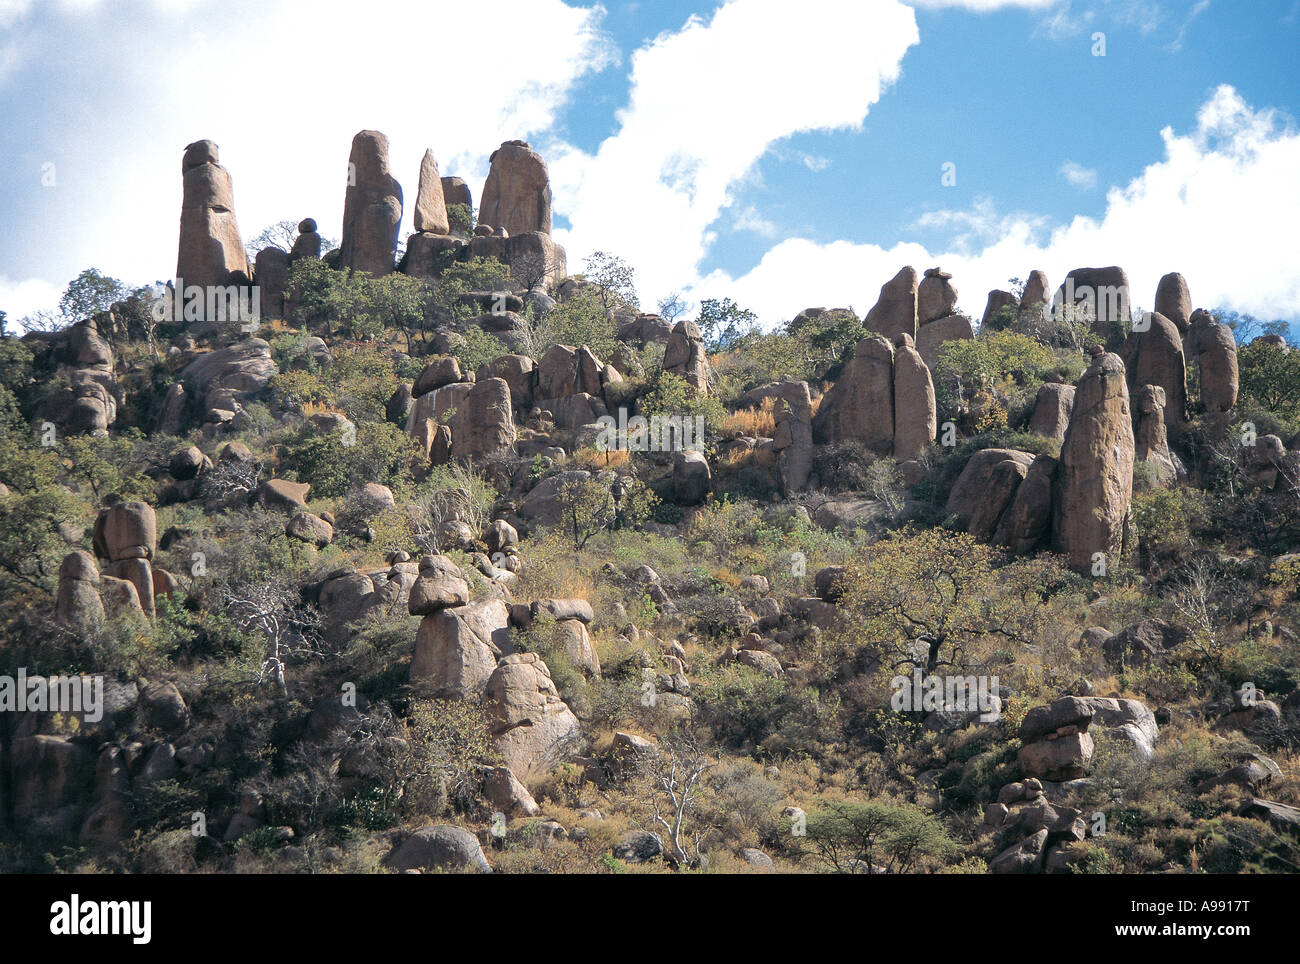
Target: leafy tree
[
  {"x": 578, "y": 320},
  {"x": 281, "y": 234},
  {"x": 1246, "y": 328},
  {"x": 614, "y": 278},
  {"x": 396, "y": 301},
  {"x": 876, "y": 835},
  {"x": 588, "y": 508},
  {"x": 90, "y": 292},
  {"x": 1000, "y": 360},
  {"x": 723, "y": 323},
  {"x": 670, "y": 395},
  {"x": 944, "y": 598},
  {"x": 478, "y": 348},
  {"x": 460, "y": 218},
  {"x": 1270, "y": 376}
]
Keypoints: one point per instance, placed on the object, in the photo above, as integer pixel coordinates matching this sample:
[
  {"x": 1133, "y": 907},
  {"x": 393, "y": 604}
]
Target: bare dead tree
[
  {"x": 274, "y": 609},
  {"x": 675, "y": 781}
]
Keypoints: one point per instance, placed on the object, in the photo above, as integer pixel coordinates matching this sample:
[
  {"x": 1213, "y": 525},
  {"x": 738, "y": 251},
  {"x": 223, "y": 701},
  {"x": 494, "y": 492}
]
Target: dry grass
[
  {"x": 759, "y": 422},
  {"x": 594, "y": 461}
]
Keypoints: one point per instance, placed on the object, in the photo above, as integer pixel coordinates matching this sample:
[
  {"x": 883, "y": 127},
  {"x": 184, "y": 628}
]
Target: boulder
[
  {"x": 483, "y": 427},
  {"x": 502, "y": 790},
  {"x": 442, "y": 371},
  {"x": 1052, "y": 409},
  {"x": 439, "y": 848},
  {"x": 1104, "y": 291},
  {"x": 271, "y": 273},
  {"x": 1035, "y": 295},
  {"x": 558, "y": 609},
  {"x": 440, "y": 585},
  {"x": 456, "y": 191},
  {"x": 1150, "y": 440},
  {"x": 456, "y": 650},
  {"x": 973, "y": 494},
  {"x": 915, "y": 421},
  {"x": 517, "y": 193},
  {"x": 685, "y": 357},
  {"x": 1174, "y": 301},
  {"x": 430, "y": 207},
  {"x": 931, "y": 336},
  {"x": 1142, "y": 642},
  {"x": 1215, "y": 351},
  {"x": 211, "y": 250},
  {"x": 283, "y": 494},
  {"x": 78, "y": 602},
  {"x": 372, "y": 207},
  {"x": 895, "y": 311},
  {"x": 518, "y": 371},
  {"x": 936, "y": 297},
  {"x": 1024, "y": 857},
  {"x": 188, "y": 463},
  {"x": 311, "y": 529},
  {"x": 126, "y": 530},
  {"x": 860, "y": 405},
  {"x": 1027, "y": 520},
  {"x": 533, "y": 727},
  {"x": 1094, "y": 484},
  {"x": 239, "y": 370},
  {"x": 1062, "y": 758},
  {"x": 997, "y": 301},
  {"x": 1155, "y": 357},
  {"x": 793, "y": 441},
  {"x": 692, "y": 479},
  {"x": 308, "y": 242}
]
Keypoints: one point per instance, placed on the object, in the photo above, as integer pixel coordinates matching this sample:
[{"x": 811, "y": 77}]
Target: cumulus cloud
[
  {"x": 707, "y": 102},
  {"x": 1220, "y": 207}
]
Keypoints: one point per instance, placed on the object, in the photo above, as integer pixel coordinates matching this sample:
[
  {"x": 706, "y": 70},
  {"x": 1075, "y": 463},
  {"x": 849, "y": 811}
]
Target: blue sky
[{"x": 784, "y": 155}]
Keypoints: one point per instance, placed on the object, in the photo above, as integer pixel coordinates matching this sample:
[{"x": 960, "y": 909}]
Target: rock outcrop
[
  {"x": 1094, "y": 484},
  {"x": 533, "y": 727},
  {"x": 895, "y": 311},
  {"x": 1215, "y": 350},
  {"x": 211, "y": 250},
  {"x": 915, "y": 414},
  {"x": 684, "y": 356},
  {"x": 430, "y": 206},
  {"x": 517, "y": 193},
  {"x": 372, "y": 207},
  {"x": 1154, "y": 356},
  {"x": 860, "y": 405},
  {"x": 1174, "y": 301}
]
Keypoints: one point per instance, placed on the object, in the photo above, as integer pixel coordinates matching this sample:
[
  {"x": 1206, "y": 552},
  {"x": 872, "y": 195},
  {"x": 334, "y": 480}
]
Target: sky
[{"x": 783, "y": 155}]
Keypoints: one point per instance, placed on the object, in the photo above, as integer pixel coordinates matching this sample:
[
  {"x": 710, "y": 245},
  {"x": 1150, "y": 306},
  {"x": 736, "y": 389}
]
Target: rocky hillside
[{"x": 437, "y": 557}]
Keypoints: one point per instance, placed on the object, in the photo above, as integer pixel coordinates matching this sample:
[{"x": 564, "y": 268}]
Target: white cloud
[
  {"x": 1079, "y": 176},
  {"x": 1220, "y": 207},
  {"x": 24, "y": 297},
  {"x": 706, "y": 102},
  {"x": 750, "y": 220}
]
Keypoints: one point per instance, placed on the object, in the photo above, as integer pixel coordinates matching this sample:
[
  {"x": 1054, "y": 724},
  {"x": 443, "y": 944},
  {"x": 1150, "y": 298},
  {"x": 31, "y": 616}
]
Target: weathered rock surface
[
  {"x": 372, "y": 207},
  {"x": 1094, "y": 484},
  {"x": 895, "y": 311},
  {"x": 517, "y": 193},
  {"x": 533, "y": 727},
  {"x": 430, "y": 207},
  {"x": 211, "y": 250}
]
